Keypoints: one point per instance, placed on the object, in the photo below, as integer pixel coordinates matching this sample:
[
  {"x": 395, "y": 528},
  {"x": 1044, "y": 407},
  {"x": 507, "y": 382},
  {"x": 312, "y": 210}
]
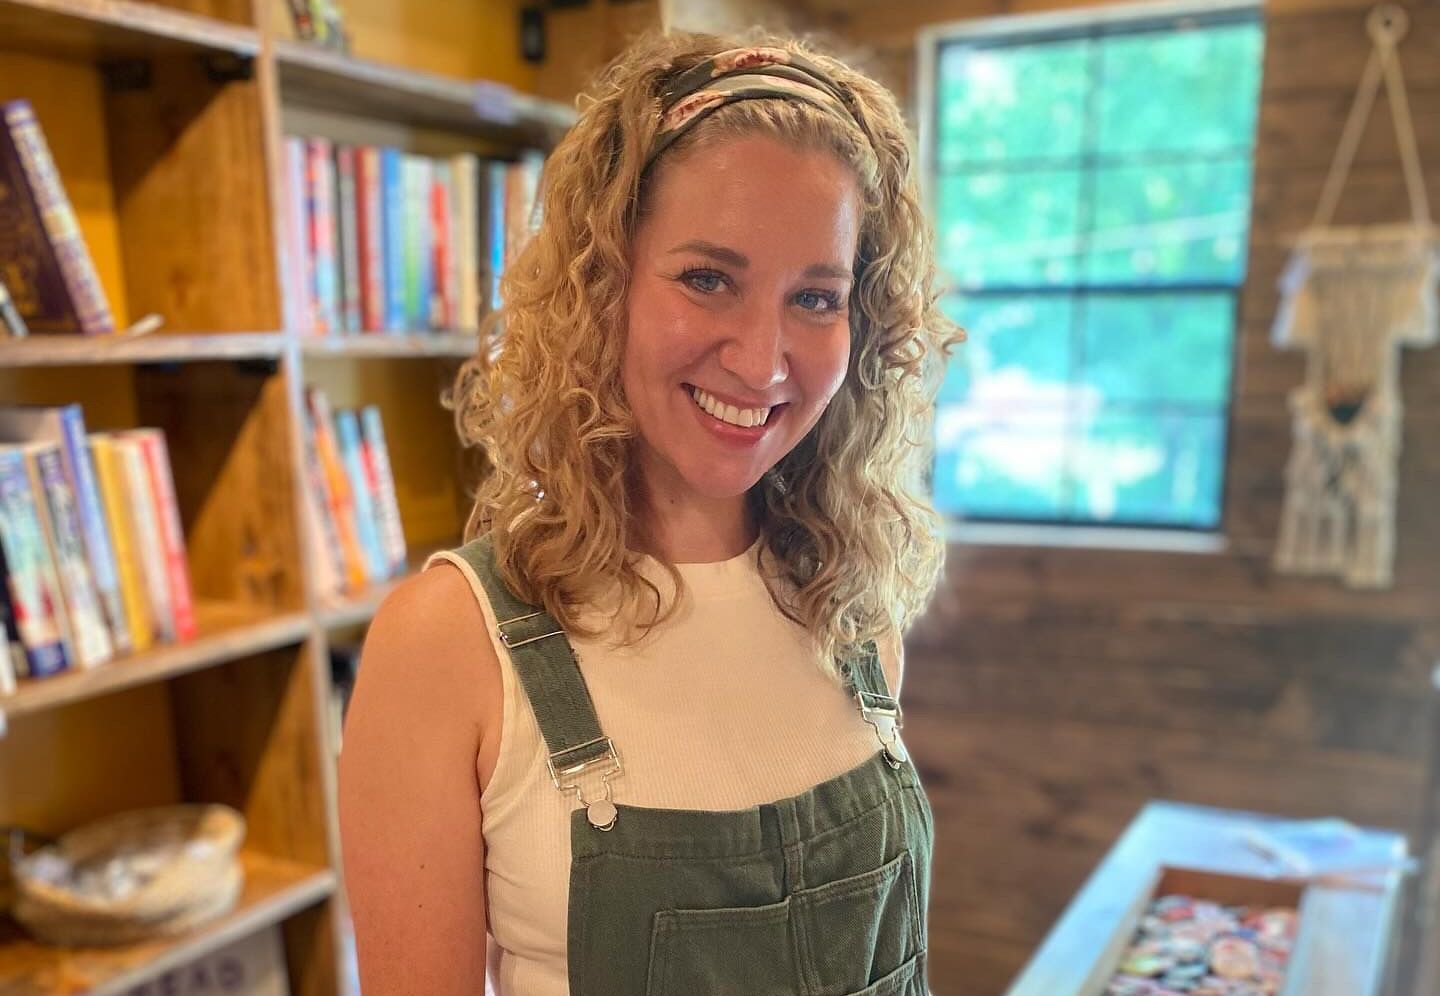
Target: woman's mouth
[{"x": 729, "y": 422}]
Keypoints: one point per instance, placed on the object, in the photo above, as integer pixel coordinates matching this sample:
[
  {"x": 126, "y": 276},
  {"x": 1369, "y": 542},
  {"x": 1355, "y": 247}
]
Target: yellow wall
[{"x": 471, "y": 39}]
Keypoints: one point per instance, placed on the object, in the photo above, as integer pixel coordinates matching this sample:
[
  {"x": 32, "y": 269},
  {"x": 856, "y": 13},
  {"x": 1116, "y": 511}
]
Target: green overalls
[{"x": 824, "y": 893}]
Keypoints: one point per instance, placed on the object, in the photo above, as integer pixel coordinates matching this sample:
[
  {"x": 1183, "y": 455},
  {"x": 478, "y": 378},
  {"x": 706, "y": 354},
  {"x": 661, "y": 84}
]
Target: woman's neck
[{"x": 691, "y": 529}]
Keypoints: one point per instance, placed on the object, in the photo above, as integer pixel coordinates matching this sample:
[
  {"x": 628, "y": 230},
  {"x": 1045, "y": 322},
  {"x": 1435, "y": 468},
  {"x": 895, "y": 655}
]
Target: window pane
[
  {"x": 1162, "y": 224},
  {"x": 1158, "y": 347},
  {"x": 1011, "y": 103},
  {"x": 1147, "y": 78},
  {"x": 1000, "y": 461},
  {"x": 1151, "y": 468},
  {"x": 1017, "y": 349},
  {"x": 1008, "y": 228}
]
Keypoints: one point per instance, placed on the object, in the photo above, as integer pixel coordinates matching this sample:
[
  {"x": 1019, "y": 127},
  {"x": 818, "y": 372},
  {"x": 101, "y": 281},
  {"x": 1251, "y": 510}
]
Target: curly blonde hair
[{"x": 844, "y": 514}]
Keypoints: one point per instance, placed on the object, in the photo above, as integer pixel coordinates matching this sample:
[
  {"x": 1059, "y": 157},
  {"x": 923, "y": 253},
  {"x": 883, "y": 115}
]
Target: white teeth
[{"x": 745, "y": 417}]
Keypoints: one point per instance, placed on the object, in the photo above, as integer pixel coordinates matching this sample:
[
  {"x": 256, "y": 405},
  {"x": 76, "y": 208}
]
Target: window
[{"x": 1089, "y": 178}]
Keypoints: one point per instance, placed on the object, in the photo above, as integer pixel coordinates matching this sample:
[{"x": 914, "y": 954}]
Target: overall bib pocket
[{"x": 856, "y": 936}]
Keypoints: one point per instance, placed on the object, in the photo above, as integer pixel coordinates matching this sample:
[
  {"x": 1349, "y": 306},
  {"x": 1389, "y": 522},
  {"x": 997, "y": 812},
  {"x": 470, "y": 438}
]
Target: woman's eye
[
  {"x": 704, "y": 281},
  {"x": 818, "y": 301}
]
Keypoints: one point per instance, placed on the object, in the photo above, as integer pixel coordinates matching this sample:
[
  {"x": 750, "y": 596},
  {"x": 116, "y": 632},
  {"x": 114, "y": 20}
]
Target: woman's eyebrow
[{"x": 721, "y": 254}]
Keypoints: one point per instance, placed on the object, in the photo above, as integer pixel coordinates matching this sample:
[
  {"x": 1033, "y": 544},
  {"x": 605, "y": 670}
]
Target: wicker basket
[{"x": 134, "y": 875}]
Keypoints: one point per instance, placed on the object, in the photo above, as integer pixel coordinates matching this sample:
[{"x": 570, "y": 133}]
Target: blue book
[
  {"x": 392, "y": 197},
  {"x": 31, "y": 576},
  {"x": 66, "y": 425},
  {"x": 347, "y": 429},
  {"x": 494, "y": 237}
]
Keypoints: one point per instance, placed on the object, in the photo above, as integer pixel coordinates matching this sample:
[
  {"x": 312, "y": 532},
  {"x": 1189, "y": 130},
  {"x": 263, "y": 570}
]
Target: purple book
[{"x": 43, "y": 257}]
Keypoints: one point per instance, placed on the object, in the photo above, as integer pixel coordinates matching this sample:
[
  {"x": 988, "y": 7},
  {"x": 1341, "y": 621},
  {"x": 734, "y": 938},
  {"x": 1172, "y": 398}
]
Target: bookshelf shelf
[
  {"x": 40, "y": 350},
  {"x": 115, "y": 29},
  {"x": 317, "y": 77},
  {"x": 274, "y": 890},
  {"x": 227, "y": 632},
  {"x": 381, "y": 344}
]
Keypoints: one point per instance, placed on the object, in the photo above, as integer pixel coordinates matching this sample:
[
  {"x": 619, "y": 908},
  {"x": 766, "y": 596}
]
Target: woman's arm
[{"x": 410, "y": 795}]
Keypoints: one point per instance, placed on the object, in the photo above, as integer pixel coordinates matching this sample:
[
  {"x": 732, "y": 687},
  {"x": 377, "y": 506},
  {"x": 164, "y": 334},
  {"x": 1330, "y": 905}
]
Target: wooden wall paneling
[
  {"x": 227, "y": 426},
  {"x": 191, "y": 184}
]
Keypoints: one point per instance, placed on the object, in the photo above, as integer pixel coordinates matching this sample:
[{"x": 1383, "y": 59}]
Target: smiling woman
[{"x": 643, "y": 736}]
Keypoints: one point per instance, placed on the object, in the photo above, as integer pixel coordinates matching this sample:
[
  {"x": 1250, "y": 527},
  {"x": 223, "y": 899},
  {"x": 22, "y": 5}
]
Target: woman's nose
[{"x": 754, "y": 351}]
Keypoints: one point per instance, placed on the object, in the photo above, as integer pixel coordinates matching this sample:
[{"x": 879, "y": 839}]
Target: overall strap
[
  {"x": 545, "y": 662},
  {"x": 865, "y": 680}
]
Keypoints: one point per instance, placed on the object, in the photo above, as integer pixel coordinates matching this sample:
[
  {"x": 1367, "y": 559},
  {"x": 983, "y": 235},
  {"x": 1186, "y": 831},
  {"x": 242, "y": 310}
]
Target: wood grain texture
[{"x": 1051, "y": 691}]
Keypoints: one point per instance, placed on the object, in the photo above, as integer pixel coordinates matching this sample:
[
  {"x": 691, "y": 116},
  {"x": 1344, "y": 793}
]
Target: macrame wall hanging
[{"x": 1351, "y": 297}]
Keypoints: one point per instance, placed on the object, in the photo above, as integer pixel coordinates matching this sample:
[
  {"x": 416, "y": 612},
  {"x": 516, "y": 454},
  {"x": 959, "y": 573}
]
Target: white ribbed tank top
[{"x": 721, "y": 707}]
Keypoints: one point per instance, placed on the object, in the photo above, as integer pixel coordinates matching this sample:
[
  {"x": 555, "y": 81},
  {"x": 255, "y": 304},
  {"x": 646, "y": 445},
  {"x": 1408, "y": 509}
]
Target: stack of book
[
  {"x": 356, "y": 531},
  {"x": 48, "y": 281},
  {"x": 382, "y": 240},
  {"x": 91, "y": 548}
]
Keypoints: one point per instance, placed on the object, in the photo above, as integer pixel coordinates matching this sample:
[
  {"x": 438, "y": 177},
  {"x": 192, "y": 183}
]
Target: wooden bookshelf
[
  {"x": 382, "y": 344},
  {"x": 181, "y": 159},
  {"x": 274, "y": 890},
  {"x": 321, "y": 78},
  {"x": 117, "y": 29},
  {"x": 74, "y": 351}
]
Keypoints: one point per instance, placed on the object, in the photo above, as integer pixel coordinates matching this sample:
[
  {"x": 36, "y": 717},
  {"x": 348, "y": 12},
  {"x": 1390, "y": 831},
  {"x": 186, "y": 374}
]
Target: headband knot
[{"x": 743, "y": 74}]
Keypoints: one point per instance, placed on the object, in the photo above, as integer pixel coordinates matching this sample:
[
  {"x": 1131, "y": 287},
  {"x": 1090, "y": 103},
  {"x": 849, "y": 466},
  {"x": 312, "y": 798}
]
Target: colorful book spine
[
  {"x": 323, "y": 536},
  {"x": 299, "y": 263},
  {"x": 392, "y": 529},
  {"x": 342, "y": 507},
  {"x": 392, "y": 195},
  {"x": 494, "y": 231},
  {"x": 61, "y": 521},
  {"x": 347, "y": 221},
  {"x": 111, "y": 477},
  {"x": 369, "y": 214},
  {"x": 172, "y": 536},
  {"x": 320, "y": 205},
  {"x": 145, "y": 514},
  {"x": 465, "y": 226},
  {"x": 347, "y": 430},
  {"x": 12, "y": 661},
  {"x": 64, "y": 425},
  {"x": 31, "y": 578},
  {"x": 441, "y": 288},
  {"x": 25, "y": 142},
  {"x": 419, "y": 277}
]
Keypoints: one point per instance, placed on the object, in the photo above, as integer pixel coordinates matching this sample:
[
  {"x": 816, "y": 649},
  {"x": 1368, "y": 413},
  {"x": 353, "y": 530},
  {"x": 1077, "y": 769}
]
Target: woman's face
[{"x": 738, "y": 323}]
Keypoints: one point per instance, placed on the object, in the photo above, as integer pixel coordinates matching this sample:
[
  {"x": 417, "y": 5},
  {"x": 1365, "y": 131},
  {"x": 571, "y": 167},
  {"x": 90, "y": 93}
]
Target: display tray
[{"x": 1247, "y": 943}]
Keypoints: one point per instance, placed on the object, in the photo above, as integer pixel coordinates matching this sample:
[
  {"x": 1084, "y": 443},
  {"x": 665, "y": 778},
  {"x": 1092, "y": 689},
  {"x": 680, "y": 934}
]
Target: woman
[{"x": 640, "y": 727}]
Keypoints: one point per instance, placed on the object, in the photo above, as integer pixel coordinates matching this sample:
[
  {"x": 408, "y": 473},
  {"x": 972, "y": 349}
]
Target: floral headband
[{"x": 742, "y": 74}]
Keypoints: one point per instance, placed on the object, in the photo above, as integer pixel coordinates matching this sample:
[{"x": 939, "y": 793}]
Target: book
[
  {"x": 145, "y": 517},
  {"x": 465, "y": 228},
  {"x": 110, "y": 476},
  {"x": 12, "y": 662},
  {"x": 151, "y": 443},
  {"x": 253, "y": 965},
  {"x": 322, "y": 534},
  {"x": 31, "y": 579},
  {"x": 392, "y": 196},
  {"x": 370, "y": 218},
  {"x": 11, "y": 323},
  {"x": 347, "y": 431},
  {"x": 299, "y": 263},
  {"x": 337, "y": 483},
  {"x": 392, "y": 531},
  {"x": 522, "y": 184},
  {"x": 441, "y": 284},
  {"x": 419, "y": 276},
  {"x": 320, "y": 215},
  {"x": 346, "y": 220},
  {"x": 65, "y": 425},
  {"x": 492, "y": 233},
  {"x": 46, "y": 263},
  {"x": 90, "y": 638}
]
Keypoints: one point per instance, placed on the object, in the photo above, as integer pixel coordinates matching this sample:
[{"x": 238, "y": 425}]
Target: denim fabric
[{"x": 824, "y": 893}]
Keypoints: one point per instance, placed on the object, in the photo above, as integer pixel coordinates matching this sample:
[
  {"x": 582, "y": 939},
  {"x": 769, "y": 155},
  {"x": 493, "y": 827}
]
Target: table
[{"x": 1344, "y": 948}]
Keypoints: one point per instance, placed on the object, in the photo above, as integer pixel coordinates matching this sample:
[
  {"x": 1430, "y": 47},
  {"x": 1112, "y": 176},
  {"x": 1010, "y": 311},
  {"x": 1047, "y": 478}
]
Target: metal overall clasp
[
  {"x": 601, "y": 811},
  {"x": 883, "y": 713}
]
